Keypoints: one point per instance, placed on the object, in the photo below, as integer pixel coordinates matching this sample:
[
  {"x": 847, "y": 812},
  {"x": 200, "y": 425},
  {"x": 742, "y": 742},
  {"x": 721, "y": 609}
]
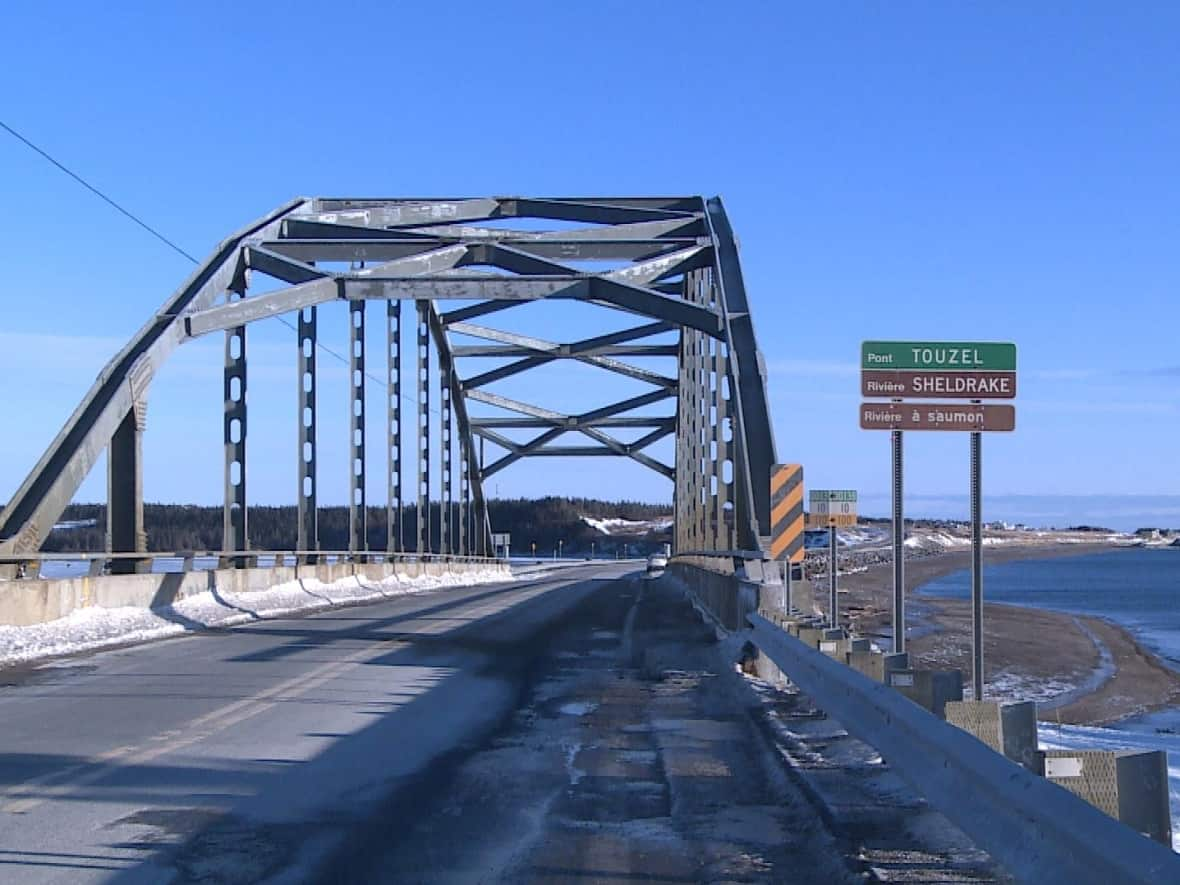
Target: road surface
[{"x": 249, "y": 753}]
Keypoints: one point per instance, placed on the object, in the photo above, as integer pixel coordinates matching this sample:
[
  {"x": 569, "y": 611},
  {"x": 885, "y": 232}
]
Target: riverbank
[{"x": 1079, "y": 669}]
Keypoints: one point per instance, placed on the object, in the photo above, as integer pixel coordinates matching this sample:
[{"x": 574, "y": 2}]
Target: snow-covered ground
[
  {"x": 616, "y": 526},
  {"x": 1084, "y": 737},
  {"x": 935, "y": 540},
  {"x": 86, "y": 629},
  {"x": 862, "y": 535}
]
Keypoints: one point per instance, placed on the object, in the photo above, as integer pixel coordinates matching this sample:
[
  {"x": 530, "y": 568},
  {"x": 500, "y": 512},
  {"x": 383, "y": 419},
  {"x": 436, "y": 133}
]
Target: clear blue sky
[{"x": 1001, "y": 171}]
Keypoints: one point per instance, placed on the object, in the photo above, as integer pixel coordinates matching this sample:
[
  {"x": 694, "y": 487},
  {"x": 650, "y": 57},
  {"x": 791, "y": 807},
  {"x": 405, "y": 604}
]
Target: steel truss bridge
[{"x": 667, "y": 266}]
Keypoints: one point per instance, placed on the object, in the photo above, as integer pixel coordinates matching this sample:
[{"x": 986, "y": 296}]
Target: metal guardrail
[
  {"x": 1038, "y": 831},
  {"x": 29, "y": 565}
]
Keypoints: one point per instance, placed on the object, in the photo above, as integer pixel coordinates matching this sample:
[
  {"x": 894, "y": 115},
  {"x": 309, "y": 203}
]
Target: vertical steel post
[
  {"x": 234, "y": 532},
  {"x": 464, "y": 495},
  {"x": 393, "y": 426},
  {"x": 788, "y": 568},
  {"x": 832, "y": 607},
  {"x": 308, "y": 533},
  {"x": 445, "y": 539},
  {"x": 125, "y": 529},
  {"x": 898, "y": 548},
  {"x": 976, "y": 569},
  {"x": 423, "y": 308},
  {"x": 482, "y": 509},
  {"x": 358, "y": 540}
]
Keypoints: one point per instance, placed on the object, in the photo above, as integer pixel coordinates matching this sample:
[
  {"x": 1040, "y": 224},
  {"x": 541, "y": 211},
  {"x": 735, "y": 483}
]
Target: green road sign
[
  {"x": 831, "y": 495},
  {"x": 950, "y": 356}
]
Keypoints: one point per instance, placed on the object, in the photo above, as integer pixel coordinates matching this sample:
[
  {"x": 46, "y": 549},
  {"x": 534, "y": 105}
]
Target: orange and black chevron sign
[{"x": 786, "y": 512}]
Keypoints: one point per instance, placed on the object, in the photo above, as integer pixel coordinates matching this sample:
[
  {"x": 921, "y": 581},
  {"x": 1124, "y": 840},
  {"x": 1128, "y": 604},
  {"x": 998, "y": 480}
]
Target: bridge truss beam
[{"x": 671, "y": 261}]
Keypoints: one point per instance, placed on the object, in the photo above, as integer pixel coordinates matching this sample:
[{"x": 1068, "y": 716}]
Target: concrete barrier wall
[
  {"x": 1038, "y": 831},
  {"x": 36, "y": 601},
  {"x": 726, "y": 598}
]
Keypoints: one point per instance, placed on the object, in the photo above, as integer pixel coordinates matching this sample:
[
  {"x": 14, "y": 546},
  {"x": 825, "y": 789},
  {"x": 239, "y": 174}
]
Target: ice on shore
[{"x": 87, "y": 629}]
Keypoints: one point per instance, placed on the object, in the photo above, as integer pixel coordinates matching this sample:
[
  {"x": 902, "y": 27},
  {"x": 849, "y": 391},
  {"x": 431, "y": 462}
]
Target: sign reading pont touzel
[{"x": 941, "y": 356}]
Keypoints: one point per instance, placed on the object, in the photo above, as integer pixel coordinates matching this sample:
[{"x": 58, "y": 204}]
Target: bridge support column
[
  {"x": 393, "y": 426},
  {"x": 692, "y": 489},
  {"x": 234, "y": 524},
  {"x": 722, "y": 425},
  {"x": 464, "y": 493},
  {"x": 125, "y": 529},
  {"x": 357, "y": 513},
  {"x": 307, "y": 532},
  {"x": 423, "y": 308},
  {"x": 446, "y": 538}
]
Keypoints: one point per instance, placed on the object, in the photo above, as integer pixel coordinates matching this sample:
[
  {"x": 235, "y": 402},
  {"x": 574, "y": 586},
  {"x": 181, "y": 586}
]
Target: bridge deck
[{"x": 573, "y": 728}]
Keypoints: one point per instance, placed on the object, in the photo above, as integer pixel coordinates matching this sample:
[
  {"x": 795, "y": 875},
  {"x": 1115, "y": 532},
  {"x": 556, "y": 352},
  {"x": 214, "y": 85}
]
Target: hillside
[{"x": 577, "y": 522}]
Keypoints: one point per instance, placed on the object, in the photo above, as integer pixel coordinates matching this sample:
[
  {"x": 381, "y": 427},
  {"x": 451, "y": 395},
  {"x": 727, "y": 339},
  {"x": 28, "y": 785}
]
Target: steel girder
[{"x": 671, "y": 261}]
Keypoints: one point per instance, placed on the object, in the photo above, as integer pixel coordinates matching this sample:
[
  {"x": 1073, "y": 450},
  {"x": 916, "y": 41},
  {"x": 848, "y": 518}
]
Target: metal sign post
[
  {"x": 976, "y": 570},
  {"x": 898, "y": 549},
  {"x": 832, "y": 508},
  {"x": 786, "y": 600},
  {"x": 834, "y": 614},
  {"x": 975, "y": 371},
  {"x": 786, "y": 514}
]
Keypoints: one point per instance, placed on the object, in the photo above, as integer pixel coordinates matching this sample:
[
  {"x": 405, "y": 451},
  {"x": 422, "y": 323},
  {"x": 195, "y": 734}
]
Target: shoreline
[{"x": 1080, "y": 669}]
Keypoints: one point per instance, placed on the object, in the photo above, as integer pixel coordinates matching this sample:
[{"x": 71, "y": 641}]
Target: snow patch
[
  {"x": 87, "y": 629},
  {"x": 616, "y": 526},
  {"x": 577, "y": 708}
]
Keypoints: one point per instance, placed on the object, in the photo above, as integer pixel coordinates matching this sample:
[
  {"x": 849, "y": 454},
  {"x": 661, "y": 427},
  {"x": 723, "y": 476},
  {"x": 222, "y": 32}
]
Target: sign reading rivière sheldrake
[
  {"x": 900, "y": 370},
  {"x": 831, "y": 507}
]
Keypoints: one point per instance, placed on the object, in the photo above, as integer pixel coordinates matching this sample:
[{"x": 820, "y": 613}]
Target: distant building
[{"x": 1148, "y": 534}]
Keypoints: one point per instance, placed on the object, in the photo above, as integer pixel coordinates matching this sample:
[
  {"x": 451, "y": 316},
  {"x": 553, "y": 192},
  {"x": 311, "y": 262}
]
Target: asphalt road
[
  {"x": 255, "y": 753},
  {"x": 635, "y": 755}
]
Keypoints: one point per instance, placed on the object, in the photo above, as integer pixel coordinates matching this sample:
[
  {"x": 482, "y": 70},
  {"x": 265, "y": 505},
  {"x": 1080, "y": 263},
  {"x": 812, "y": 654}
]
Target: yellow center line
[{"x": 23, "y": 797}]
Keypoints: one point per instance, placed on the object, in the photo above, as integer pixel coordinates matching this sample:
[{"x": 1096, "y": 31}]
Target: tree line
[{"x": 541, "y": 521}]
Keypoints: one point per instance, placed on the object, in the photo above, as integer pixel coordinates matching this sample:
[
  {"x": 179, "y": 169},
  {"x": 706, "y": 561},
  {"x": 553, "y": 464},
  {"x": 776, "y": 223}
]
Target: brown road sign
[
  {"x": 786, "y": 512},
  {"x": 936, "y": 416},
  {"x": 884, "y": 383}
]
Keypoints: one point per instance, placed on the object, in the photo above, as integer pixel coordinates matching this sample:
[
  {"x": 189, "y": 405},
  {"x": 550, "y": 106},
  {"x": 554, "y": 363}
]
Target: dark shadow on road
[{"x": 410, "y": 734}]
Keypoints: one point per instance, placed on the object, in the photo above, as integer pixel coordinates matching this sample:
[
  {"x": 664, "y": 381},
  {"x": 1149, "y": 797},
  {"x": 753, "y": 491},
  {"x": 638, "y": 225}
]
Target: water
[{"x": 1138, "y": 589}]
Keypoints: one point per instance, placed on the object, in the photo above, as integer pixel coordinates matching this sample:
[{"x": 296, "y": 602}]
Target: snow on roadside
[
  {"x": 86, "y": 629},
  {"x": 1086, "y": 737}
]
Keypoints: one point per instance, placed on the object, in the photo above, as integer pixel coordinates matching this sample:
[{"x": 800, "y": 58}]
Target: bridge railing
[
  {"x": 31, "y": 566},
  {"x": 1038, "y": 831}
]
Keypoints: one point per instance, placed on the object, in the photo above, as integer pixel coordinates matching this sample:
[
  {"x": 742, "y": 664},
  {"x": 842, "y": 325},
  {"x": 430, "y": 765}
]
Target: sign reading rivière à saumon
[
  {"x": 831, "y": 507},
  {"x": 936, "y": 416},
  {"x": 944, "y": 356}
]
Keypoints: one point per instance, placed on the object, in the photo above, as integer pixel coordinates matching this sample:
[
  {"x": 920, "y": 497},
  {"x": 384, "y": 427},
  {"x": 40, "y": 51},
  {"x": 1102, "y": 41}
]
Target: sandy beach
[{"x": 1079, "y": 669}]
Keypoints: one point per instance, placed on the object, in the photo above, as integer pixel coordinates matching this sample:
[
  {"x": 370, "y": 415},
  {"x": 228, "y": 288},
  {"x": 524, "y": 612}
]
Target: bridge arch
[{"x": 671, "y": 262}]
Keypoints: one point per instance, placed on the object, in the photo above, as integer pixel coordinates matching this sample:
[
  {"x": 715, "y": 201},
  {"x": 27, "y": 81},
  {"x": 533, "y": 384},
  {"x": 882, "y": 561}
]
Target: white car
[{"x": 657, "y": 562}]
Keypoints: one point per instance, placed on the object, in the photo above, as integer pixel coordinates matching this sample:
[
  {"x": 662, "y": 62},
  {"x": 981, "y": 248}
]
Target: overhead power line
[{"x": 114, "y": 204}]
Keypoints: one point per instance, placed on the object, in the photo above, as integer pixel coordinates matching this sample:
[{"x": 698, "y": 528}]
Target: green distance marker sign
[{"x": 949, "y": 356}]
